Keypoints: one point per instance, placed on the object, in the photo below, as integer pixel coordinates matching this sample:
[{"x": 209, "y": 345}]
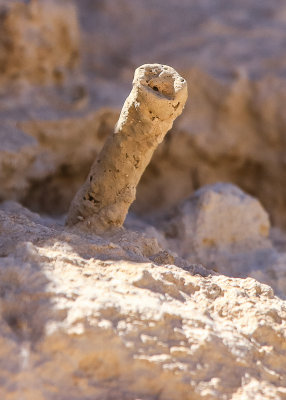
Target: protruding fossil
[{"x": 158, "y": 96}]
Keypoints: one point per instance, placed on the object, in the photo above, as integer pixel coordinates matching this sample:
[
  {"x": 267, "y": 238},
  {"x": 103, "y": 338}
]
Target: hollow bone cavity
[{"x": 157, "y": 98}]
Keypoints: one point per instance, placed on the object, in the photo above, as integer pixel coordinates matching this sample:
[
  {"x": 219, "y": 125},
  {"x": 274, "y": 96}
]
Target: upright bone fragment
[{"x": 157, "y": 98}]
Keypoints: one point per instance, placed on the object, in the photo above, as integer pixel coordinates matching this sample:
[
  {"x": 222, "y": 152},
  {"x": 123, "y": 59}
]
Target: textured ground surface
[{"x": 114, "y": 325}]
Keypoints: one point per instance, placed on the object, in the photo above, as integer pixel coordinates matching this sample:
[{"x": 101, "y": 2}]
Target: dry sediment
[
  {"x": 116, "y": 326},
  {"x": 39, "y": 41},
  {"x": 158, "y": 96}
]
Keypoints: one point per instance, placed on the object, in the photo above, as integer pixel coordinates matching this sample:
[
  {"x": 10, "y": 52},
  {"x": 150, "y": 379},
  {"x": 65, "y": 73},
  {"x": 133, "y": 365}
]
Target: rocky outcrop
[
  {"x": 219, "y": 216},
  {"x": 230, "y": 133},
  {"x": 115, "y": 325},
  {"x": 42, "y": 161},
  {"x": 227, "y": 231},
  {"x": 39, "y": 41}
]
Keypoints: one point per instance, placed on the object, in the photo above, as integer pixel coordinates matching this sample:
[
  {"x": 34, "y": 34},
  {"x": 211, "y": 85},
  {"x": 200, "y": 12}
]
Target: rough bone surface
[{"x": 158, "y": 96}]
